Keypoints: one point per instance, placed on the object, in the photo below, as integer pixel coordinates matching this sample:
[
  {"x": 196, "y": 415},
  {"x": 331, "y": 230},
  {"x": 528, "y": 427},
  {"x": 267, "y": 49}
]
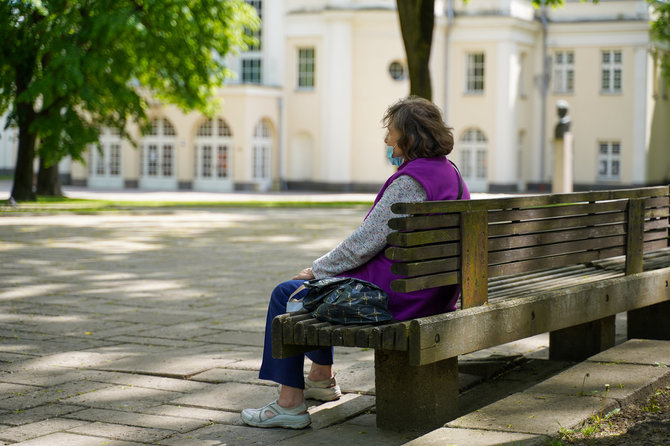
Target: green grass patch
[{"x": 76, "y": 205}]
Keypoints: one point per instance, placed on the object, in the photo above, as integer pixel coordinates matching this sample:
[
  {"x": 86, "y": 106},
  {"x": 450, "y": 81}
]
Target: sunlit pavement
[{"x": 142, "y": 327}]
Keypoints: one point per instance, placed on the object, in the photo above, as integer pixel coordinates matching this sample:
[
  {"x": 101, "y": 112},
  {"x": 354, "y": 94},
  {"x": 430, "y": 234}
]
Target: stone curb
[{"x": 631, "y": 370}]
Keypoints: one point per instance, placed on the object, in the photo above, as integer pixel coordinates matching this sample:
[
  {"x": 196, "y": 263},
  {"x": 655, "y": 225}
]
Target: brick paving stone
[
  {"x": 151, "y": 382},
  {"x": 39, "y": 413},
  {"x": 230, "y": 396},
  {"x": 222, "y": 434},
  {"x": 357, "y": 378},
  {"x": 215, "y": 416},
  {"x": 179, "y": 424},
  {"x": 8, "y": 390},
  {"x": 234, "y": 337},
  {"x": 123, "y": 398},
  {"x": 146, "y": 340},
  {"x": 223, "y": 375},
  {"x": 60, "y": 392},
  {"x": 187, "y": 331},
  {"x": 14, "y": 357},
  {"x": 33, "y": 430},
  {"x": 590, "y": 378},
  {"x": 176, "y": 363},
  {"x": 47, "y": 347},
  {"x": 348, "y": 406},
  {"x": 64, "y": 438},
  {"x": 122, "y": 432}
]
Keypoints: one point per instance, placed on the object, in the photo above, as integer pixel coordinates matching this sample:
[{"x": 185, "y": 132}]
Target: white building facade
[{"x": 304, "y": 111}]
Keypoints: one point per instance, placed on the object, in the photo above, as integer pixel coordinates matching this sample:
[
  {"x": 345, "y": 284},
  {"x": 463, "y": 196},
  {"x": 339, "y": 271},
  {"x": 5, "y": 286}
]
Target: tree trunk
[
  {"x": 22, "y": 189},
  {"x": 417, "y": 18},
  {"x": 48, "y": 180}
]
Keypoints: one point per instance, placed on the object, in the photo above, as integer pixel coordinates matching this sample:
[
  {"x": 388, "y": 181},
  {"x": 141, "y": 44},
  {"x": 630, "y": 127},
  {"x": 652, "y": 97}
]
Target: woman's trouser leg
[{"x": 287, "y": 371}]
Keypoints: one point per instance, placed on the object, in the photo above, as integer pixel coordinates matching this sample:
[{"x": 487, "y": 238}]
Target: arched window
[
  {"x": 213, "y": 144},
  {"x": 104, "y": 161},
  {"x": 473, "y": 159},
  {"x": 157, "y": 155},
  {"x": 262, "y": 146}
]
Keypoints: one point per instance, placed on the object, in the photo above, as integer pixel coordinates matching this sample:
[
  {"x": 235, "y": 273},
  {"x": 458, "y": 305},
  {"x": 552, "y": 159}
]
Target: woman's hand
[{"x": 305, "y": 274}]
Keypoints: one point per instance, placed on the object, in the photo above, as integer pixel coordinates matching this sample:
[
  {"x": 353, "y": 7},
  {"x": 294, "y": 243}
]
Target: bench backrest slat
[{"x": 472, "y": 241}]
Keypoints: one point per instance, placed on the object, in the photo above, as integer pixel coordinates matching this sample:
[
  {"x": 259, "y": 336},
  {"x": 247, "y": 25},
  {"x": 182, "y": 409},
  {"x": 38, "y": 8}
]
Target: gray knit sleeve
[{"x": 370, "y": 237}]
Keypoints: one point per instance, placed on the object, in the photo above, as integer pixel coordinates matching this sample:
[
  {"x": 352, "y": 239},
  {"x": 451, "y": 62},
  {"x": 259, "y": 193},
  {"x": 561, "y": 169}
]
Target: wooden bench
[{"x": 564, "y": 264}]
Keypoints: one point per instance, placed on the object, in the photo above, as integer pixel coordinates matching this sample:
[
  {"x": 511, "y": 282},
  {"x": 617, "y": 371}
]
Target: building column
[
  {"x": 502, "y": 158},
  {"x": 336, "y": 72},
  {"x": 642, "y": 114}
]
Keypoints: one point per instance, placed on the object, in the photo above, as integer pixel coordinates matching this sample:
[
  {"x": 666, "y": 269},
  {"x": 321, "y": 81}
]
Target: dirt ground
[{"x": 642, "y": 424}]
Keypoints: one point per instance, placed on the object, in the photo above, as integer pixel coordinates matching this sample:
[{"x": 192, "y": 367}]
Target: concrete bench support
[
  {"x": 652, "y": 322},
  {"x": 581, "y": 341},
  {"x": 414, "y": 397}
]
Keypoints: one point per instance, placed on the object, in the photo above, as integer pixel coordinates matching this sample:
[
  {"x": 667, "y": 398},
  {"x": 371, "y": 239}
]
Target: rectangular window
[
  {"x": 609, "y": 160},
  {"x": 100, "y": 162},
  {"x": 258, "y": 34},
  {"x": 252, "y": 70},
  {"x": 222, "y": 162},
  {"x": 261, "y": 162},
  {"x": 306, "y": 68},
  {"x": 474, "y": 82},
  {"x": 114, "y": 159},
  {"x": 167, "y": 160},
  {"x": 152, "y": 160},
  {"x": 611, "y": 71},
  {"x": 564, "y": 72},
  {"x": 206, "y": 161}
]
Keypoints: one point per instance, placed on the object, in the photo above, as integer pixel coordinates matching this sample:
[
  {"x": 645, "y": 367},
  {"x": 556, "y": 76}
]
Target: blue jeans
[{"x": 287, "y": 371}]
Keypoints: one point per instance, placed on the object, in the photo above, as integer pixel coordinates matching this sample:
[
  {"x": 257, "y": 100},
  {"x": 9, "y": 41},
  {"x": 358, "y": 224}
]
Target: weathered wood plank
[
  {"x": 436, "y": 207},
  {"x": 423, "y": 252},
  {"x": 551, "y": 224},
  {"x": 350, "y": 333},
  {"x": 470, "y": 329},
  {"x": 375, "y": 338},
  {"x": 474, "y": 258},
  {"x": 419, "y": 283},
  {"x": 545, "y": 238},
  {"x": 363, "y": 337},
  {"x": 635, "y": 240},
  {"x": 556, "y": 211},
  {"x": 312, "y": 332},
  {"x": 425, "y": 222},
  {"x": 426, "y": 267},
  {"x": 423, "y": 237},
  {"x": 514, "y": 255}
]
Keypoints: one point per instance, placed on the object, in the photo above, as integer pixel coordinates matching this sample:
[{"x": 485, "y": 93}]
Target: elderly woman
[{"x": 417, "y": 141}]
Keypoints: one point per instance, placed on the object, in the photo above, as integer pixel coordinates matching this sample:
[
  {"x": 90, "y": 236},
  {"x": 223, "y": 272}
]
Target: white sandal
[
  {"x": 324, "y": 390},
  {"x": 291, "y": 418}
]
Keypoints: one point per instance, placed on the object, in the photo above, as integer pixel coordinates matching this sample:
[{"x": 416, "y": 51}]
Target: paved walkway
[{"x": 146, "y": 328}]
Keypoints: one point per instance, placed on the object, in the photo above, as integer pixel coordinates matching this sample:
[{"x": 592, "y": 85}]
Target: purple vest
[{"x": 441, "y": 182}]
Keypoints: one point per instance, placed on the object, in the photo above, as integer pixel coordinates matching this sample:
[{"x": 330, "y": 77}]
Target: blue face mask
[{"x": 396, "y": 161}]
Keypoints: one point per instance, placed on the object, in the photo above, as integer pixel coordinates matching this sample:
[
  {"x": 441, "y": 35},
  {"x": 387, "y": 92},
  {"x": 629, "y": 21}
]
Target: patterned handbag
[{"x": 343, "y": 300}]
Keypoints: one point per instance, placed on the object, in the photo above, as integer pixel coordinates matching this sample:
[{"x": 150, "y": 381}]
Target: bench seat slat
[
  {"x": 435, "y": 207},
  {"x": 423, "y": 237},
  {"x": 414, "y": 222},
  {"x": 541, "y": 213},
  {"x": 423, "y": 252},
  {"x": 426, "y": 267},
  {"x": 418, "y": 283}
]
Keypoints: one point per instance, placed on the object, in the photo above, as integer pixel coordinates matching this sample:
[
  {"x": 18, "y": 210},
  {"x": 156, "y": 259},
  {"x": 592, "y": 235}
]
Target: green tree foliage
[
  {"x": 416, "y": 25},
  {"x": 70, "y": 67},
  {"x": 660, "y": 31}
]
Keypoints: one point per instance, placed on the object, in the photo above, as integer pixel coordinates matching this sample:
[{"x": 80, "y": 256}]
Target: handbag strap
[
  {"x": 460, "y": 180},
  {"x": 299, "y": 289}
]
